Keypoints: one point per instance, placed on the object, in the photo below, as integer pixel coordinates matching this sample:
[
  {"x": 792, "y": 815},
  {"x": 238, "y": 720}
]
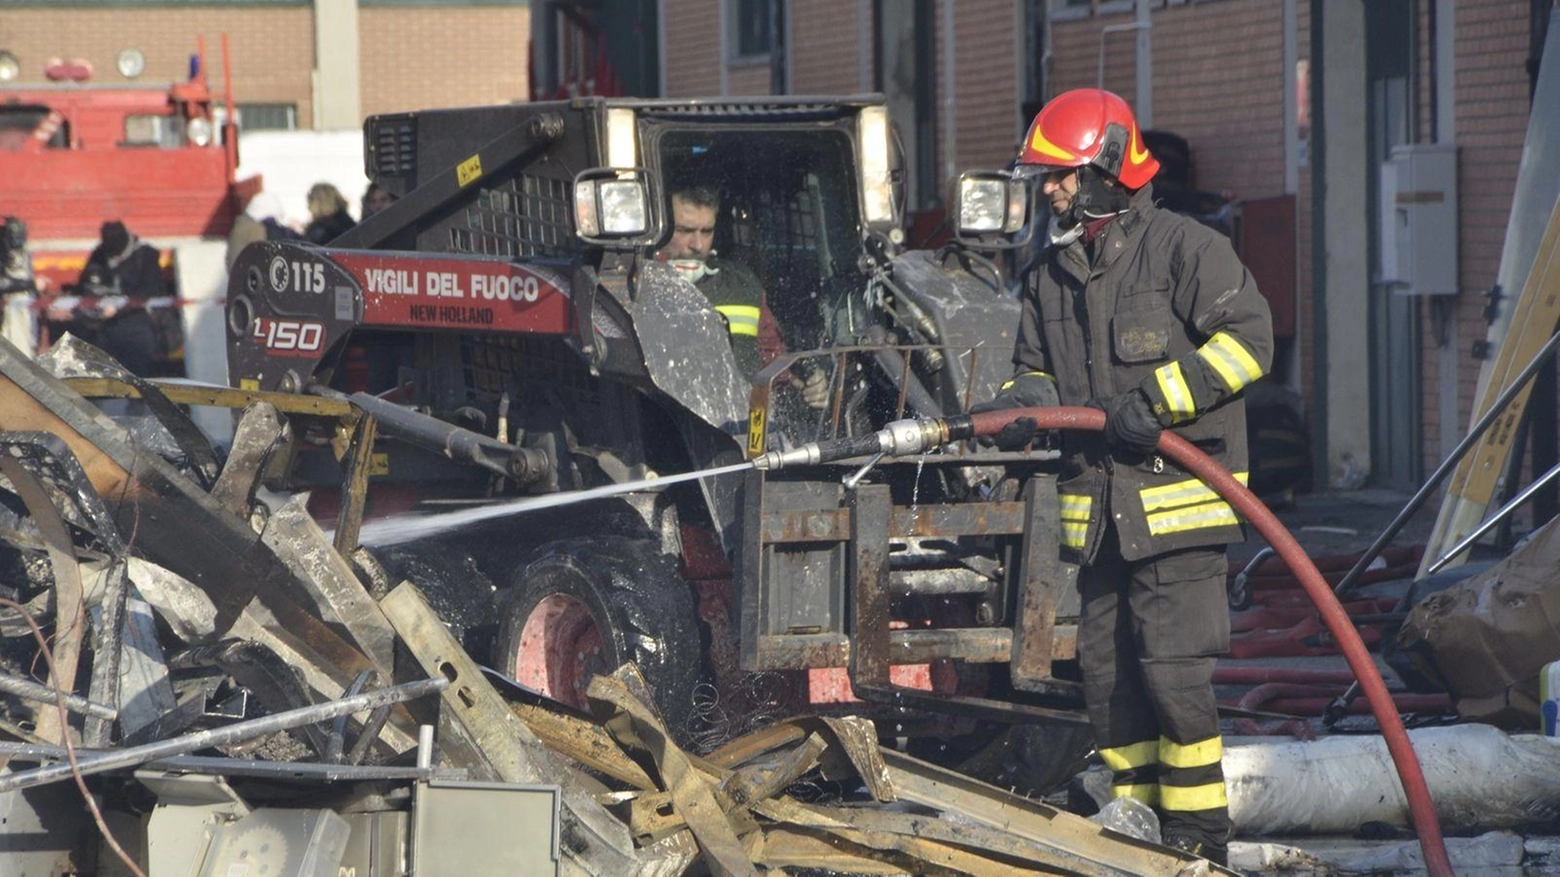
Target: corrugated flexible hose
[{"x": 1421, "y": 810}]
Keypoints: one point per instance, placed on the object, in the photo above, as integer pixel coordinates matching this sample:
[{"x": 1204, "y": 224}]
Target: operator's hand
[
  {"x": 1130, "y": 424},
  {"x": 815, "y": 389}
]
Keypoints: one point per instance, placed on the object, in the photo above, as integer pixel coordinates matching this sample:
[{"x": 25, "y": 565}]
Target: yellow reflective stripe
[
  {"x": 1227, "y": 356},
  {"x": 1014, "y": 379},
  {"x": 1198, "y": 517},
  {"x": 1178, "y": 396},
  {"x": 1148, "y": 793},
  {"x": 1075, "y": 506},
  {"x": 1075, "y": 518},
  {"x": 1184, "y": 798},
  {"x": 1181, "y": 493},
  {"x": 1130, "y": 756},
  {"x": 740, "y": 319},
  {"x": 1199, "y": 754}
]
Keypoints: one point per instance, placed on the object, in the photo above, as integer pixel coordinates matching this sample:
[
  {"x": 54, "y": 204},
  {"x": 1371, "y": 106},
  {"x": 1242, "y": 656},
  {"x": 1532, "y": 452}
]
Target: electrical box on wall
[{"x": 1419, "y": 220}]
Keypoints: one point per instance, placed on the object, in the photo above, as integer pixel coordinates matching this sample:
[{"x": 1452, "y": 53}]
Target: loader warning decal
[
  {"x": 755, "y": 432},
  {"x": 456, "y": 293},
  {"x": 468, "y": 170}
]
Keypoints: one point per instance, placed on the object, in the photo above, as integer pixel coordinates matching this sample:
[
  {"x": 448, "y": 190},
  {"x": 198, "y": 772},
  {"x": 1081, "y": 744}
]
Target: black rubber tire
[
  {"x": 1036, "y": 760},
  {"x": 646, "y": 611}
]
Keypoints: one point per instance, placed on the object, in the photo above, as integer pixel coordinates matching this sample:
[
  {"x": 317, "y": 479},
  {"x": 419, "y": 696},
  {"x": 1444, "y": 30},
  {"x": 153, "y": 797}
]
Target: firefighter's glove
[
  {"x": 1130, "y": 424},
  {"x": 1028, "y": 390},
  {"x": 815, "y": 390}
]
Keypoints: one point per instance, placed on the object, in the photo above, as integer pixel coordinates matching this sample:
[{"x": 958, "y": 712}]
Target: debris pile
[{"x": 203, "y": 627}]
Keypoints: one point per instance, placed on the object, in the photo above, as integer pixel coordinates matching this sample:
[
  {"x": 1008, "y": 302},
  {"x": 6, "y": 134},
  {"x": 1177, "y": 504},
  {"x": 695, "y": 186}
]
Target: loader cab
[{"x": 796, "y": 206}]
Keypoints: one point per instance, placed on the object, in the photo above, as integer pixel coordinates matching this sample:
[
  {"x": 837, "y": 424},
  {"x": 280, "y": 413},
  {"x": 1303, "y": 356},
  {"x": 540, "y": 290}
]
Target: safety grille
[
  {"x": 524, "y": 216},
  {"x": 395, "y": 147}
]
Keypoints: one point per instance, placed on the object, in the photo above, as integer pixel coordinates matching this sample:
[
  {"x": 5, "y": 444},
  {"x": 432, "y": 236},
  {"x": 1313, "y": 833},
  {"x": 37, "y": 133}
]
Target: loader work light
[
  {"x": 611, "y": 206},
  {"x": 877, "y": 183},
  {"x": 990, "y": 202},
  {"x": 622, "y": 138}
]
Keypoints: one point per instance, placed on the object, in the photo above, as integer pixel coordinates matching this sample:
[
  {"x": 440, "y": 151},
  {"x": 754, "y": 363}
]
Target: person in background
[
  {"x": 1152, "y": 318},
  {"x": 19, "y": 286},
  {"x": 329, "y": 211},
  {"x": 124, "y": 272},
  {"x": 375, "y": 199},
  {"x": 260, "y": 221}
]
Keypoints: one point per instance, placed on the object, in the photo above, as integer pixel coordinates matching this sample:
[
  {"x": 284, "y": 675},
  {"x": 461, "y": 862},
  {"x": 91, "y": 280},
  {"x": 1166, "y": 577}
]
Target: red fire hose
[{"x": 1421, "y": 810}]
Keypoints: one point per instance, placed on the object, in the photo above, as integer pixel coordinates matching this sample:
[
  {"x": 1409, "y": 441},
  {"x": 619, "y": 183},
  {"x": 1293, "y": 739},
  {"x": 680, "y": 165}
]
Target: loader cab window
[{"x": 788, "y": 212}]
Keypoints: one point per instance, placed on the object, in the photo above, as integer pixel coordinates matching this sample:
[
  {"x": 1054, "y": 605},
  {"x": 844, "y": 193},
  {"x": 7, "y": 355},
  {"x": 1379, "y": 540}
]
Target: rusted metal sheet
[
  {"x": 947, "y": 521},
  {"x": 692, "y": 791},
  {"x": 176, "y": 524},
  {"x": 985, "y": 645},
  {"x": 935, "y": 521},
  {"x": 336, "y": 594},
  {"x": 1031, "y": 820},
  {"x": 925, "y": 839},
  {"x": 806, "y": 526},
  {"x": 781, "y": 846},
  {"x": 260, "y": 430},
  {"x": 219, "y": 397},
  {"x": 755, "y": 783},
  {"x": 1039, "y": 589},
  {"x": 69, "y": 595},
  {"x": 584, "y": 741},
  {"x": 869, "y": 657},
  {"x": 598, "y": 841},
  {"x": 354, "y": 488}
]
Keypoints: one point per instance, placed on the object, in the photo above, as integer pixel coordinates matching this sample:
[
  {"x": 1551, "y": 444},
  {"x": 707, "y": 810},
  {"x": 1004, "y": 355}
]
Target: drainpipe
[
  {"x": 1144, "y": 106},
  {"x": 950, "y": 106}
]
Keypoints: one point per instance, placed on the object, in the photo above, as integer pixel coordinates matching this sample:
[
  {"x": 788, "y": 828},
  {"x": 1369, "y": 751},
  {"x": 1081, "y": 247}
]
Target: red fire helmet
[{"x": 1089, "y": 126}]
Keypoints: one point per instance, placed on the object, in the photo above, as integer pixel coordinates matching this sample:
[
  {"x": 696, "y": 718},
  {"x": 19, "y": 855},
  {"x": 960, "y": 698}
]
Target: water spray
[{"x": 906, "y": 437}]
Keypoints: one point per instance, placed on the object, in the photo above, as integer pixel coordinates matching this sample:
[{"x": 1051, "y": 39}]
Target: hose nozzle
[{"x": 898, "y": 439}]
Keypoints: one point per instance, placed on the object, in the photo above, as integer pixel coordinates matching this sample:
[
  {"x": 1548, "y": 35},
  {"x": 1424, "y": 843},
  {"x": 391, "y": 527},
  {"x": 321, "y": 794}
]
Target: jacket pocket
[{"x": 1141, "y": 336}]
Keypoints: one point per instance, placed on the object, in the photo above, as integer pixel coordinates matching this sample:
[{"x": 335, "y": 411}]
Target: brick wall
[
  {"x": 826, "y": 42},
  {"x": 420, "y": 57},
  {"x": 1491, "y": 94},
  {"x": 272, "y": 50},
  {"x": 411, "y": 57},
  {"x": 692, "y": 48},
  {"x": 985, "y": 85}
]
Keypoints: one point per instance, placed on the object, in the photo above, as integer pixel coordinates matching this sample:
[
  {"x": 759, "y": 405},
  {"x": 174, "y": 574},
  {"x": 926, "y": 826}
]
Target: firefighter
[
  {"x": 1152, "y": 318},
  {"x": 731, "y": 288},
  {"x": 124, "y": 265}
]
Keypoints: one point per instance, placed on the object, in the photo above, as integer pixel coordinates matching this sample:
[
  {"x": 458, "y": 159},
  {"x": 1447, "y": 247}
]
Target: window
[
  {"x": 267, "y": 117},
  {"x": 1063, "y": 10},
  {"x": 166, "y": 132},
  {"x": 752, "y": 23}
]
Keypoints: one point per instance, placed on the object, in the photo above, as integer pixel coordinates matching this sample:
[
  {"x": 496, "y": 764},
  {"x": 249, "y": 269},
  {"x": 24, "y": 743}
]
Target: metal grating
[
  {"x": 395, "y": 148},
  {"x": 525, "y": 216}
]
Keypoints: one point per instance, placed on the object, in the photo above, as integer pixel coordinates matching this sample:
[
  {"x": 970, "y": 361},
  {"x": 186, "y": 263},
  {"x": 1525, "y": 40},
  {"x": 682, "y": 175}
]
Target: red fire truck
[{"x": 75, "y": 153}]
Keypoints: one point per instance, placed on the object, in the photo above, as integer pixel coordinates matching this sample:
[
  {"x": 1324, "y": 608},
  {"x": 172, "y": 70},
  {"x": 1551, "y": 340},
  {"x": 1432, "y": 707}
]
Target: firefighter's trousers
[{"x": 1147, "y": 639}]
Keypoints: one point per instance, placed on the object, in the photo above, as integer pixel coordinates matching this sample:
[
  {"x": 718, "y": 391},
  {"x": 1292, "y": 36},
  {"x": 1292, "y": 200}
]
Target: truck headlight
[{"x": 198, "y": 131}]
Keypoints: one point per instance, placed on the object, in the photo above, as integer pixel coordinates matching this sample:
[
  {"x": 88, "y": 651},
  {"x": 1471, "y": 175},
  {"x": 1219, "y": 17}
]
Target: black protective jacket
[{"x": 1154, "y": 297}]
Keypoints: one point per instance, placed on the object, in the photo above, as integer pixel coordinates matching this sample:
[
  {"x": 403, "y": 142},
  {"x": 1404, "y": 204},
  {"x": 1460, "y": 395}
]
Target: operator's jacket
[
  {"x": 1164, "y": 294},
  {"x": 739, "y": 298}
]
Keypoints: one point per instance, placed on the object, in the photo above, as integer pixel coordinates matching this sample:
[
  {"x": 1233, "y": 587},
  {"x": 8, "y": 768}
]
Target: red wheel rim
[{"x": 561, "y": 648}]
